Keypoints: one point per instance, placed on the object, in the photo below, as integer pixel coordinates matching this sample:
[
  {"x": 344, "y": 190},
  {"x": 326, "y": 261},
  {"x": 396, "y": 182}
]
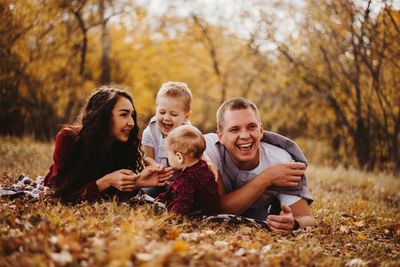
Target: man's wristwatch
[{"x": 296, "y": 225}]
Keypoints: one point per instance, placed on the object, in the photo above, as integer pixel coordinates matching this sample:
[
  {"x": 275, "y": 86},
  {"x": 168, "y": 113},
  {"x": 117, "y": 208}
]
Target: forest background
[{"x": 326, "y": 73}]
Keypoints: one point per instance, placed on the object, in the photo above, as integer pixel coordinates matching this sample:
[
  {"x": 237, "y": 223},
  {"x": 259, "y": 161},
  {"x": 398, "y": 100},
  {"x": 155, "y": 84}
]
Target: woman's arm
[
  {"x": 123, "y": 180},
  {"x": 63, "y": 149}
]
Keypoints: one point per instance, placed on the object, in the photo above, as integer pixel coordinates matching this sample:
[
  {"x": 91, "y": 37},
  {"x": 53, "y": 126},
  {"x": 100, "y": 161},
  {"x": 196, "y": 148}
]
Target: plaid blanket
[
  {"x": 159, "y": 208},
  {"x": 24, "y": 186}
]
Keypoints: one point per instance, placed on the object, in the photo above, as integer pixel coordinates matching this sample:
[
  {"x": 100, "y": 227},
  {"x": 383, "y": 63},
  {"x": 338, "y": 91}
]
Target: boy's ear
[
  {"x": 180, "y": 157},
  {"x": 188, "y": 115}
]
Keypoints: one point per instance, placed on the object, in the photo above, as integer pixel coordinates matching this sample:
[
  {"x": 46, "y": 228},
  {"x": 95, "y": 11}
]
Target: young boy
[
  {"x": 173, "y": 108},
  {"x": 194, "y": 190}
]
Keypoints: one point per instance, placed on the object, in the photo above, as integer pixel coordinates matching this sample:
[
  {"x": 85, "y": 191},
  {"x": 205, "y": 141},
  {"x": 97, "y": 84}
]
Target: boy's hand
[{"x": 148, "y": 161}]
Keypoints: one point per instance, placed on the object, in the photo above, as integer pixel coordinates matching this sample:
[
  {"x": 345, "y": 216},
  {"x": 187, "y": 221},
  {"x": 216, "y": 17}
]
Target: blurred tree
[
  {"x": 105, "y": 76},
  {"x": 347, "y": 57},
  {"x": 328, "y": 70},
  {"x": 10, "y": 70}
]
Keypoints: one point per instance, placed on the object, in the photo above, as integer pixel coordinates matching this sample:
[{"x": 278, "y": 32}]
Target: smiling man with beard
[{"x": 257, "y": 167}]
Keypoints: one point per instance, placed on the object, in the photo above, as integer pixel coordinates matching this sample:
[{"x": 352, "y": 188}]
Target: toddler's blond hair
[
  {"x": 187, "y": 140},
  {"x": 177, "y": 90}
]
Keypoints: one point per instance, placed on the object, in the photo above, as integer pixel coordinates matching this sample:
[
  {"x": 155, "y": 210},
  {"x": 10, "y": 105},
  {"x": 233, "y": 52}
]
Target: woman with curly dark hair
[{"x": 101, "y": 157}]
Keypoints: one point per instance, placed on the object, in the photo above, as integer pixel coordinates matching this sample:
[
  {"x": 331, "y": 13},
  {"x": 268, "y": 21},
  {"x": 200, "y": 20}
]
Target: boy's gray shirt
[
  {"x": 152, "y": 137},
  {"x": 230, "y": 173}
]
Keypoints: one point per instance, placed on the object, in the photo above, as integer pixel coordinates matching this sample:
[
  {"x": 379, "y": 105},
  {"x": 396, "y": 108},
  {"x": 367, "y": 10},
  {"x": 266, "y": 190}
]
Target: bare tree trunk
[
  {"x": 105, "y": 77},
  {"x": 83, "y": 28},
  {"x": 213, "y": 54}
]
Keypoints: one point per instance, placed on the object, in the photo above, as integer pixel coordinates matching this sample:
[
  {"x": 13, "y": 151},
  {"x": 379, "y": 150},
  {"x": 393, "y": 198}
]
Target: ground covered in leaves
[{"x": 357, "y": 213}]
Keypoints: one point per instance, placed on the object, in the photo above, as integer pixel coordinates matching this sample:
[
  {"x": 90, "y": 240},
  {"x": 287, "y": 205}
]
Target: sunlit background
[{"x": 325, "y": 73}]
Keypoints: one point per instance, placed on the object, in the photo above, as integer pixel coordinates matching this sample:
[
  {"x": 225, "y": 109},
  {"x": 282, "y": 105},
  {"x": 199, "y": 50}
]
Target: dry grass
[{"x": 357, "y": 213}]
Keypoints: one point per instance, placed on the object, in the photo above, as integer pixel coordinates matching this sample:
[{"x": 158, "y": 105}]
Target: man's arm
[
  {"x": 282, "y": 174},
  {"x": 302, "y": 213}
]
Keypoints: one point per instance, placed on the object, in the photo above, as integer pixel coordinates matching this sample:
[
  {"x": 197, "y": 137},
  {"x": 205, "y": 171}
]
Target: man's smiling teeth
[{"x": 245, "y": 146}]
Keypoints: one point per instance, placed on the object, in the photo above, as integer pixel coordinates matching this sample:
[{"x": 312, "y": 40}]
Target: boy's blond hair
[
  {"x": 176, "y": 90},
  {"x": 187, "y": 140}
]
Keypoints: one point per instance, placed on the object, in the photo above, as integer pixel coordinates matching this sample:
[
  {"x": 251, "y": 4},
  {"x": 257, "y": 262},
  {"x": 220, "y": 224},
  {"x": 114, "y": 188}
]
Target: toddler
[{"x": 194, "y": 190}]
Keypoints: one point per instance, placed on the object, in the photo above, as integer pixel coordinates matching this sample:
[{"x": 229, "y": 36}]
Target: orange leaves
[
  {"x": 361, "y": 236},
  {"x": 112, "y": 234},
  {"x": 180, "y": 246},
  {"x": 353, "y": 226},
  {"x": 70, "y": 242},
  {"x": 173, "y": 234},
  {"x": 358, "y": 224}
]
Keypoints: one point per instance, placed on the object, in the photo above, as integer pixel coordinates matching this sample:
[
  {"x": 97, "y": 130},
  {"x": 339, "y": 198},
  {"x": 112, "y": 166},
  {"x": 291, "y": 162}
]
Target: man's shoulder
[
  {"x": 276, "y": 153},
  {"x": 211, "y": 140},
  {"x": 285, "y": 143},
  {"x": 211, "y": 137}
]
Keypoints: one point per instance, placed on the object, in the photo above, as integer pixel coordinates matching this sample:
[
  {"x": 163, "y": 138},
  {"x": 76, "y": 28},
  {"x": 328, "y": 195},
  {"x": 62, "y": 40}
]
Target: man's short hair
[
  {"x": 187, "y": 140},
  {"x": 235, "y": 104},
  {"x": 178, "y": 90}
]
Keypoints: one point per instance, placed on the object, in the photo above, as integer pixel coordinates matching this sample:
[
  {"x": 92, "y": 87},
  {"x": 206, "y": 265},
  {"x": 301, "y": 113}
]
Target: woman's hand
[
  {"x": 283, "y": 222},
  {"x": 154, "y": 176},
  {"x": 123, "y": 180}
]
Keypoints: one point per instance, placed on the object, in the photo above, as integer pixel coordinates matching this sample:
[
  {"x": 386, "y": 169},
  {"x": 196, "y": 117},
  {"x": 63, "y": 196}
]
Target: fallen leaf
[
  {"x": 240, "y": 252},
  {"x": 144, "y": 256},
  {"x": 361, "y": 236},
  {"x": 173, "y": 234},
  {"x": 221, "y": 244},
  {"x": 180, "y": 246},
  {"x": 358, "y": 224},
  {"x": 356, "y": 262},
  {"x": 62, "y": 258},
  {"x": 266, "y": 248},
  {"x": 344, "y": 229}
]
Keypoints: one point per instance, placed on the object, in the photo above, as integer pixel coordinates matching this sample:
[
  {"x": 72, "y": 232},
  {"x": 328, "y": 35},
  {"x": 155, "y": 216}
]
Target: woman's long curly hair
[{"x": 91, "y": 158}]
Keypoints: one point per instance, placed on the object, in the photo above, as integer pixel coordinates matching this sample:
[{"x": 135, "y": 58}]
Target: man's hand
[
  {"x": 214, "y": 170},
  {"x": 285, "y": 174},
  {"x": 283, "y": 222}
]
